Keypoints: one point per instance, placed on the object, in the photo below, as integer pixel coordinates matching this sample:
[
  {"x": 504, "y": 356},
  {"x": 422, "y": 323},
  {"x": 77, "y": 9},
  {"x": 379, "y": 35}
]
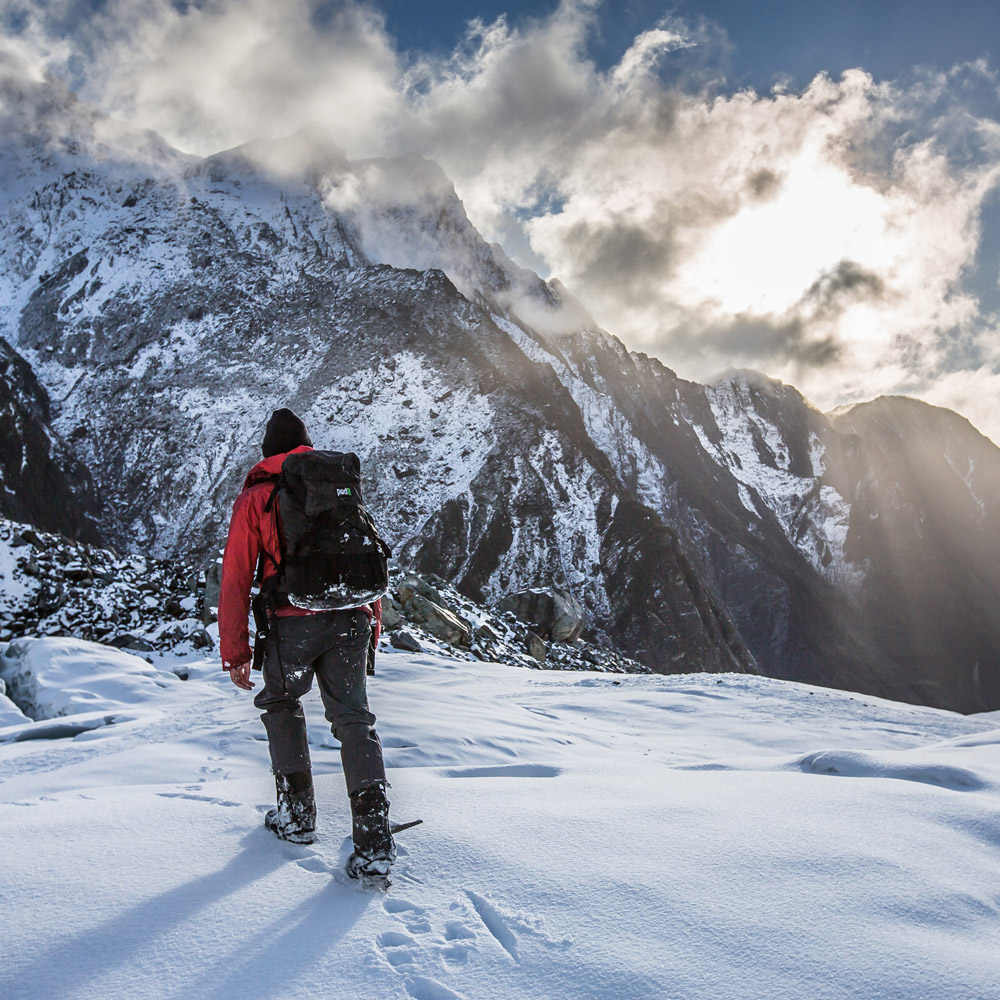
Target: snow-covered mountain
[{"x": 167, "y": 304}]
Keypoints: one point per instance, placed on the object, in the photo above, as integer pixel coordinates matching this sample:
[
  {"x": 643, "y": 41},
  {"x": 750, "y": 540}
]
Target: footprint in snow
[
  {"x": 198, "y": 798},
  {"x": 421, "y": 947},
  {"x": 461, "y": 942},
  {"x": 401, "y": 906},
  {"x": 505, "y": 771},
  {"x": 320, "y": 866},
  {"x": 397, "y": 948},
  {"x": 423, "y": 988},
  {"x": 412, "y": 916},
  {"x": 318, "y": 862}
]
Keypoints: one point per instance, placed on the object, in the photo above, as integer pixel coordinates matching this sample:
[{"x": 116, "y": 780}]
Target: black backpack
[{"x": 332, "y": 556}]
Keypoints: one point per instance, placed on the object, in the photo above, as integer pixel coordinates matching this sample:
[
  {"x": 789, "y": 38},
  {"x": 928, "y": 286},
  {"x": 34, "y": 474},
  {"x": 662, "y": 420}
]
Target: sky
[{"x": 805, "y": 189}]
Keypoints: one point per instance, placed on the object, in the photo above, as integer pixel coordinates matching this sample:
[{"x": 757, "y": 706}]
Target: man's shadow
[{"x": 69, "y": 963}]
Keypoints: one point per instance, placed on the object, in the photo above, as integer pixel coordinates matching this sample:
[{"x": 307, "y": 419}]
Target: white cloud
[
  {"x": 821, "y": 236},
  {"x": 215, "y": 74}
]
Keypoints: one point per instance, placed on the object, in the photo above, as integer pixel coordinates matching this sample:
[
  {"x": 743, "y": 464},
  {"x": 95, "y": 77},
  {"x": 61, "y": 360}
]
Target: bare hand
[{"x": 240, "y": 676}]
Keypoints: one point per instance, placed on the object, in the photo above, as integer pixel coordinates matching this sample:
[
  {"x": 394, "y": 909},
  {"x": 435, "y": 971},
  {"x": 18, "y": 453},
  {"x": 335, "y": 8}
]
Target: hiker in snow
[{"x": 299, "y": 526}]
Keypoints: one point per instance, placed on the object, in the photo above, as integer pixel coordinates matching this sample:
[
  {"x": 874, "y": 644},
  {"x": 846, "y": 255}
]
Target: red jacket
[{"x": 251, "y": 530}]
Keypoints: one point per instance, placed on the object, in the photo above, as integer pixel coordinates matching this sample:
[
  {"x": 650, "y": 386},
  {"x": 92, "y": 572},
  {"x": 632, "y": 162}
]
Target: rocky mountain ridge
[
  {"x": 167, "y": 304},
  {"x": 51, "y": 585}
]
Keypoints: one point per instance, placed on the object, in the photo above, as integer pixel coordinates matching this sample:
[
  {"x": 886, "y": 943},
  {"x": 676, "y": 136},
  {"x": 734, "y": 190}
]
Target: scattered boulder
[
  {"x": 31, "y": 537},
  {"x": 54, "y": 676},
  {"x": 552, "y": 614},
  {"x": 496, "y": 637},
  {"x": 188, "y": 630},
  {"x": 404, "y": 639},
  {"x": 422, "y": 604},
  {"x": 411, "y": 585},
  {"x": 392, "y": 618},
  {"x": 213, "y": 584},
  {"x": 51, "y": 597},
  {"x": 439, "y": 621},
  {"x": 487, "y": 633},
  {"x": 56, "y": 586},
  {"x": 129, "y": 641},
  {"x": 536, "y": 647}
]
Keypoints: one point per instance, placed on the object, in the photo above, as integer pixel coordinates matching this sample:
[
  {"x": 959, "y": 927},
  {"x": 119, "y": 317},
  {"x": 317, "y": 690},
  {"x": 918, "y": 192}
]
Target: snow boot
[
  {"x": 374, "y": 848},
  {"x": 294, "y": 818}
]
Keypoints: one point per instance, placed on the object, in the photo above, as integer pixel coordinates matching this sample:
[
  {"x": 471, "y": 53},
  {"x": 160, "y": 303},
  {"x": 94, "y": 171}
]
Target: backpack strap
[{"x": 269, "y": 506}]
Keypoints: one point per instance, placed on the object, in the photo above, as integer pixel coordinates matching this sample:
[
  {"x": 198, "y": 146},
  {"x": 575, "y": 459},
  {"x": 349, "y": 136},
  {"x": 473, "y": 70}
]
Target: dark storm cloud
[
  {"x": 748, "y": 340},
  {"x": 620, "y": 256},
  {"x": 842, "y": 285},
  {"x": 763, "y": 183}
]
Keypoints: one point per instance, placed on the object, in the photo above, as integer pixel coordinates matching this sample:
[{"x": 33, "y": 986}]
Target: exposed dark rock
[
  {"x": 41, "y": 479},
  {"x": 189, "y": 630},
  {"x": 662, "y": 610},
  {"x": 499, "y": 636},
  {"x": 535, "y": 646},
  {"x": 411, "y": 585},
  {"x": 129, "y": 641},
  {"x": 701, "y": 527},
  {"x": 392, "y": 617},
  {"x": 924, "y": 489},
  {"x": 211, "y": 587},
  {"x": 116, "y": 600},
  {"x": 439, "y": 621},
  {"x": 553, "y": 614},
  {"x": 405, "y": 640}
]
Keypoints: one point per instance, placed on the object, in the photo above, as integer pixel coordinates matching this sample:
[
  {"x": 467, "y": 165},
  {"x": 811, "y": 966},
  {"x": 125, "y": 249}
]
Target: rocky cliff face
[
  {"x": 40, "y": 478},
  {"x": 170, "y": 304}
]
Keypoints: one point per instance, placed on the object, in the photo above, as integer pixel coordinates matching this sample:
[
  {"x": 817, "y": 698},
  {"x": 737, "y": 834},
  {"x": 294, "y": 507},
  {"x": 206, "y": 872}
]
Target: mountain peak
[
  {"x": 903, "y": 413},
  {"x": 308, "y": 153}
]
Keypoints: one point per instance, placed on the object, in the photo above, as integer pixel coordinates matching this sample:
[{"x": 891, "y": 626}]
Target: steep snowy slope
[
  {"x": 171, "y": 314},
  {"x": 779, "y": 506},
  {"x": 168, "y": 304}
]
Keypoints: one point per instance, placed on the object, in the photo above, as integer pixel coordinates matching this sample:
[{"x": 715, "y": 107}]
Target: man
[{"x": 333, "y": 645}]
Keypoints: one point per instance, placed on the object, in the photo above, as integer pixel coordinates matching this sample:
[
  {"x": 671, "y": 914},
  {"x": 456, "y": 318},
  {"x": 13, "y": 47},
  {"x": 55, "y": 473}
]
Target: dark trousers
[{"x": 333, "y": 645}]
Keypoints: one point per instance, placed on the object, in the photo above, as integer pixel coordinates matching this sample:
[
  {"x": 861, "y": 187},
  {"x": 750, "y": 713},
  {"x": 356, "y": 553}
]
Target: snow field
[{"x": 584, "y": 836}]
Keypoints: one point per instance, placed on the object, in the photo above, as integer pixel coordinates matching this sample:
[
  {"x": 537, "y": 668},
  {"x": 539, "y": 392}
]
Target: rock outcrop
[{"x": 552, "y": 614}]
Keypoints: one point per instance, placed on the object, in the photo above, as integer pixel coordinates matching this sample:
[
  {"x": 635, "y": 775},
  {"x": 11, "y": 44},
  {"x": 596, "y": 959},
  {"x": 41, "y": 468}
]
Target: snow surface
[
  {"x": 584, "y": 836},
  {"x": 10, "y": 714},
  {"x": 56, "y": 676}
]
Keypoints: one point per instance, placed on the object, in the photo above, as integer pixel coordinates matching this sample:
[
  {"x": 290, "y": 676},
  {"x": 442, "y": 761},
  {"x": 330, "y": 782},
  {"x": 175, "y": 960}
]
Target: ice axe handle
[{"x": 396, "y": 827}]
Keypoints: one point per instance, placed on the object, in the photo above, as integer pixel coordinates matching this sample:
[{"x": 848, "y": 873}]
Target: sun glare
[{"x": 766, "y": 257}]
